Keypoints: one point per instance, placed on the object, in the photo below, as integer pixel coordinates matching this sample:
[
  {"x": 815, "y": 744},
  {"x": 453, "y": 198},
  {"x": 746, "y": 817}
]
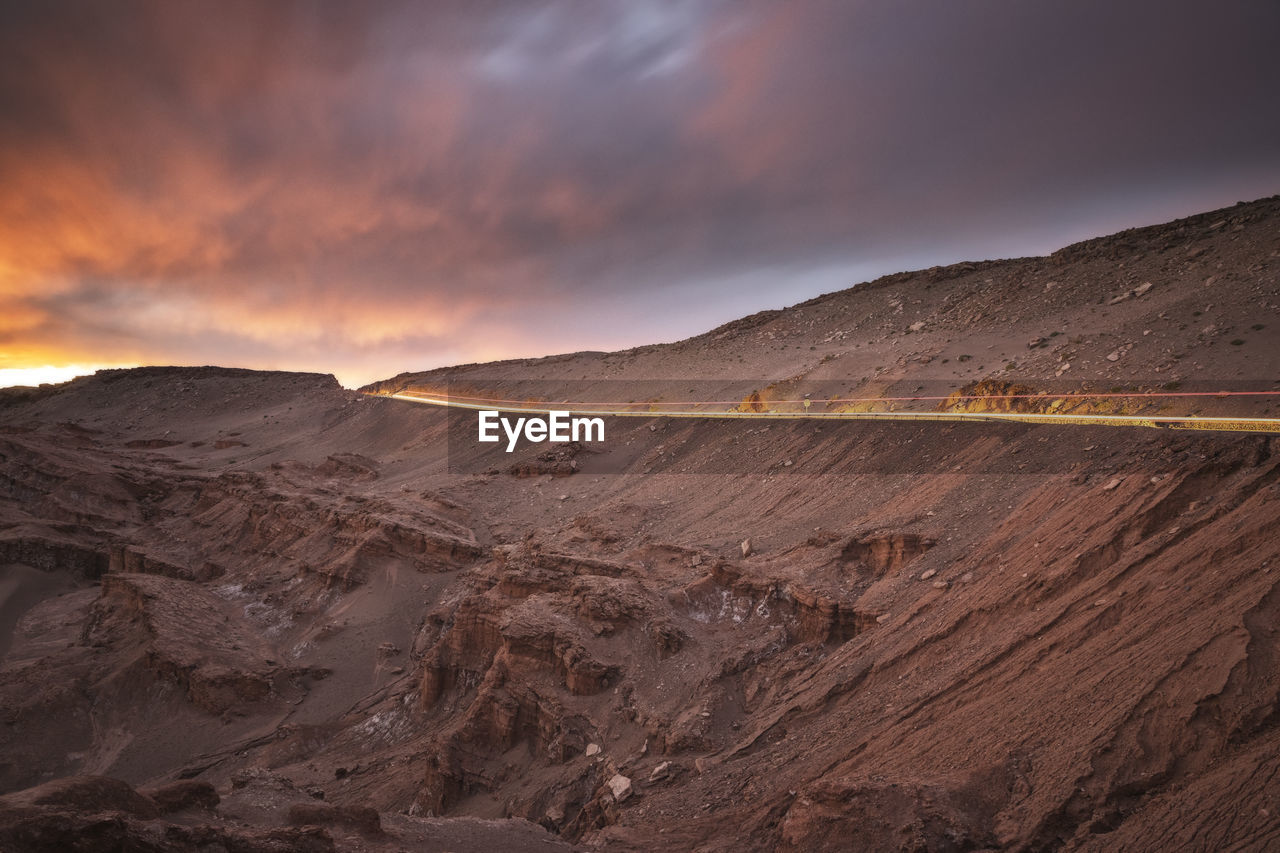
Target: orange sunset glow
[{"x": 369, "y": 190}]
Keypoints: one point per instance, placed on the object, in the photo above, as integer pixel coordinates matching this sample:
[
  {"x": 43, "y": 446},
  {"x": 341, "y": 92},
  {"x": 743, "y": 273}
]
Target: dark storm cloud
[{"x": 370, "y": 188}]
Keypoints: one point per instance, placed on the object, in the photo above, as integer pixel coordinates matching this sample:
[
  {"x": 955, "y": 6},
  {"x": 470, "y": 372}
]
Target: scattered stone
[
  {"x": 787, "y": 463},
  {"x": 882, "y": 618},
  {"x": 746, "y": 547},
  {"x": 1035, "y": 342},
  {"x": 620, "y": 787},
  {"x": 940, "y": 584},
  {"x": 1111, "y": 485},
  {"x": 967, "y": 577},
  {"x": 564, "y": 497},
  {"x": 1115, "y": 355},
  {"x": 660, "y": 772},
  {"x": 916, "y": 326},
  {"x": 592, "y": 749},
  {"x": 924, "y": 576},
  {"x": 1132, "y": 294}
]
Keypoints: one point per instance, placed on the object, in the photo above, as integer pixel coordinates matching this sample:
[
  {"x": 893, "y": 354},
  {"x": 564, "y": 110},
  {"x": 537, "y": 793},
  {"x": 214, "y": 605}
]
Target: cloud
[{"x": 371, "y": 188}]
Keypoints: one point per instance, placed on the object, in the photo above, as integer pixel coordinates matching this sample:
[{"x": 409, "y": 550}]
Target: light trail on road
[
  {"x": 1068, "y": 395},
  {"x": 1183, "y": 422}
]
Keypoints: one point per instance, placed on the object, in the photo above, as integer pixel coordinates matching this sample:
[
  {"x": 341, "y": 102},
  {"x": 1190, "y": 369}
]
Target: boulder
[{"x": 619, "y": 786}]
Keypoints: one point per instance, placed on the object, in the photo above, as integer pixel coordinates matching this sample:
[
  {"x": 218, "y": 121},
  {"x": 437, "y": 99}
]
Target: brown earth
[{"x": 258, "y": 611}]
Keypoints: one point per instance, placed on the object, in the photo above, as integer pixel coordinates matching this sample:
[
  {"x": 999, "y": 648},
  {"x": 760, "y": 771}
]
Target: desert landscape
[{"x": 255, "y": 611}]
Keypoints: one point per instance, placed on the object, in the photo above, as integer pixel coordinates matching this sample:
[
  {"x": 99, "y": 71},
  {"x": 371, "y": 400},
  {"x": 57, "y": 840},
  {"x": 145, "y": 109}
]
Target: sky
[{"x": 366, "y": 189}]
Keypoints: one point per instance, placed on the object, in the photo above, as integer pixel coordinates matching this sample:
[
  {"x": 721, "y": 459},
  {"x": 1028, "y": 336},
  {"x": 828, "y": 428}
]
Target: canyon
[{"x": 251, "y": 610}]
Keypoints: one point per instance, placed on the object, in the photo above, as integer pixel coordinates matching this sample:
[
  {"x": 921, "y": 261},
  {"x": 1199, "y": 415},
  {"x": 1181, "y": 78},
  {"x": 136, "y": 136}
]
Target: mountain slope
[
  {"x": 702, "y": 634},
  {"x": 1192, "y": 302}
]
